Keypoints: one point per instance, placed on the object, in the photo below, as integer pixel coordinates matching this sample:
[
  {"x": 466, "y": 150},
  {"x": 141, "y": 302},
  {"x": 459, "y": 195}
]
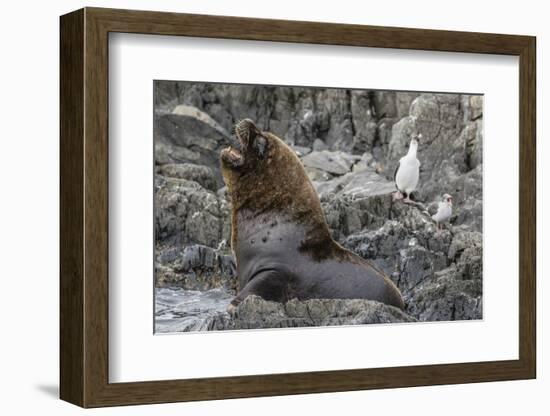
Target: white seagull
[
  {"x": 444, "y": 211},
  {"x": 407, "y": 172}
]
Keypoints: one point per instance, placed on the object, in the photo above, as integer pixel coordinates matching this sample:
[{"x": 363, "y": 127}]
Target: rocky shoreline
[{"x": 349, "y": 144}]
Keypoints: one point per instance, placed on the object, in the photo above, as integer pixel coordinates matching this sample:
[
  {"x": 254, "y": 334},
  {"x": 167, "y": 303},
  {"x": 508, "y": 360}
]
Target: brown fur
[{"x": 279, "y": 183}]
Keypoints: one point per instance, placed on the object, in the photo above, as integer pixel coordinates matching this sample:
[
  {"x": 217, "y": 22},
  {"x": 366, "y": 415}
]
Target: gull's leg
[{"x": 397, "y": 196}]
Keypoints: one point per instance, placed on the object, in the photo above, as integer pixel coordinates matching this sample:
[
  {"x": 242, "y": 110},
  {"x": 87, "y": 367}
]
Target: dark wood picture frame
[{"x": 84, "y": 207}]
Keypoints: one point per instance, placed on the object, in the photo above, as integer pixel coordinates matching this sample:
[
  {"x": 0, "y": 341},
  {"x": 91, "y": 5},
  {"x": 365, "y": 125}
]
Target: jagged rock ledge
[{"x": 256, "y": 313}]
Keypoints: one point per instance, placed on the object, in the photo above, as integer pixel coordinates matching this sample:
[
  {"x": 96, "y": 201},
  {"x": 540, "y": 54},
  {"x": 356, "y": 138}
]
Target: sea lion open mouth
[{"x": 233, "y": 154}]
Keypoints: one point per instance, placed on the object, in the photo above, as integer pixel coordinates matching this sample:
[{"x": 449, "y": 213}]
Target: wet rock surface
[{"x": 349, "y": 142}]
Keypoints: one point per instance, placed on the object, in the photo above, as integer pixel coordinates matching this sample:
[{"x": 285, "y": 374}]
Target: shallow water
[{"x": 180, "y": 310}]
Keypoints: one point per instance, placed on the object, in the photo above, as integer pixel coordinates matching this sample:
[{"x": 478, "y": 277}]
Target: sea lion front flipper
[{"x": 269, "y": 284}]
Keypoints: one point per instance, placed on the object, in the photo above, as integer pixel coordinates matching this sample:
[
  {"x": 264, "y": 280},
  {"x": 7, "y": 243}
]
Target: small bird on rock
[
  {"x": 444, "y": 211},
  {"x": 407, "y": 173}
]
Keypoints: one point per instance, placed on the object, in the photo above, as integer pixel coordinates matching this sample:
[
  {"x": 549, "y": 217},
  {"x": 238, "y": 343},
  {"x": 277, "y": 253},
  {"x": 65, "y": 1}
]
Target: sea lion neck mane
[{"x": 271, "y": 183}]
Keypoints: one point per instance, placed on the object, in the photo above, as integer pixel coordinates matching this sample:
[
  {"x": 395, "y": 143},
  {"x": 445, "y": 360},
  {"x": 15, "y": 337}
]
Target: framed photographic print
[{"x": 256, "y": 207}]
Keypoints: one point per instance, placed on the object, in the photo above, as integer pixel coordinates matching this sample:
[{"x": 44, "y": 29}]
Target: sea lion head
[
  {"x": 246, "y": 150},
  {"x": 263, "y": 174}
]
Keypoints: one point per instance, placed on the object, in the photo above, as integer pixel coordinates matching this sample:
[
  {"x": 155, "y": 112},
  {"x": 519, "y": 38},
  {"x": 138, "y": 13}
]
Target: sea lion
[{"x": 280, "y": 237}]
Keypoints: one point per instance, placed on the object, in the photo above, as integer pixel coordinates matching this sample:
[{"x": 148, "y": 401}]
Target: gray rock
[
  {"x": 446, "y": 297},
  {"x": 403, "y": 101},
  {"x": 464, "y": 240},
  {"x": 438, "y": 272},
  {"x": 336, "y": 163},
  {"x": 301, "y": 151},
  {"x": 336, "y": 103},
  {"x": 197, "y": 173},
  {"x": 384, "y": 103},
  {"x": 473, "y": 107},
  {"x": 358, "y": 184},
  {"x": 255, "y": 313},
  {"x": 186, "y": 213},
  {"x": 410, "y": 251},
  {"x": 416, "y": 264},
  {"x": 187, "y": 135},
  {"x": 319, "y": 145},
  {"x": 437, "y": 115},
  {"x": 225, "y": 103},
  {"x": 318, "y": 175},
  {"x": 195, "y": 267},
  {"x": 367, "y": 161},
  {"x": 473, "y": 139},
  {"x": 354, "y": 201},
  {"x": 364, "y": 122}
]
